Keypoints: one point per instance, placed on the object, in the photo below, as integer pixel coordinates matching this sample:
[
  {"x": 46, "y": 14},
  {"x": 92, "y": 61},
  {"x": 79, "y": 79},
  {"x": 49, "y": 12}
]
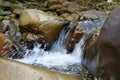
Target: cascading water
[{"x": 58, "y": 58}]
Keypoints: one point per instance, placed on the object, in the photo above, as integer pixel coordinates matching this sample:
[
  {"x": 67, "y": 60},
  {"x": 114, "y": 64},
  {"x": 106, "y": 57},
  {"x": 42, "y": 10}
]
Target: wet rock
[
  {"x": 109, "y": 47},
  {"x": 18, "y": 71},
  {"x": 39, "y": 22},
  {"x": 91, "y": 15},
  {"x": 75, "y": 34},
  {"x": 11, "y": 29},
  {"x": 5, "y": 46},
  {"x": 94, "y": 20},
  {"x": 90, "y": 56}
]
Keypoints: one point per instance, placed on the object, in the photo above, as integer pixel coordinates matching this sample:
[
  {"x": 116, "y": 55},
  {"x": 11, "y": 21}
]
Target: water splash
[{"x": 58, "y": 58}]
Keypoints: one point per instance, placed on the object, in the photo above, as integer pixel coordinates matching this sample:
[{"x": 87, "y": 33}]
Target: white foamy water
[
  {"x": 53, "y": 58},
  {"x": 57, "y": 56}
]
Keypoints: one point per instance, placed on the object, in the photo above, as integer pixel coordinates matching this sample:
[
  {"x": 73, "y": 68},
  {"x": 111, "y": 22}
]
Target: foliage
[
  {"x": 116, "y": 0},
  {"x": 1, "y": 11},
  {"x": 13, "y": 1}
]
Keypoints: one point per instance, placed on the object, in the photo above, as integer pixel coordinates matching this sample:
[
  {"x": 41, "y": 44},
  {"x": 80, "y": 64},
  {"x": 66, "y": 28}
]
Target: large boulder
[
  {"x": 12, "y": 70},
  {"x": 109, "y": 47},
  {"x": 5, "y": 46},
  {"x": 39, "y": 22}
]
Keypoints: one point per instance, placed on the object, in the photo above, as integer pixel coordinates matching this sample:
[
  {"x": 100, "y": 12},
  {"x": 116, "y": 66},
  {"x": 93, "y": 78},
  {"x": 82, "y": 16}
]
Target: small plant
[{"x": 1, "y": 11}]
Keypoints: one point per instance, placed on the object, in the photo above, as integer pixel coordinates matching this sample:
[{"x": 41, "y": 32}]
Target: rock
[
  {"x": 70, "y": 7},
  {"x": 5, "y": 46},
  {"x": 55, "y": 7},
  {"x": 109, "y": 47},
  {"x": 70, "y": 17},
  {"x": 75, "y": 34},
  {"x": 6, "y": 13},
  {"x": 52, "y": 2},
  {"x": 92, "y": 15},
  {"x": 90, "y": 56},
  {"x": 0, "y": 1},
  {"x": 30, "y": 37},
  {"x": 39, "y": 22},
  {"x": 17, "y": 12},
  {"x": 35, "y": 17},
  {"x": 12, "y": 70},
  {"x": 94, "y": 21},
  {"x": 83, "y": 3},
  {"x": 11, "y": 29}
]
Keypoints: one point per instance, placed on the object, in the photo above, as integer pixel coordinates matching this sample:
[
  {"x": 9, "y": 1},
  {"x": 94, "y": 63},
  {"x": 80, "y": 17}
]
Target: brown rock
[
  {"x": 70, "y": 7},
  {"x": 70, "y": 17},
  {"x": 41, "y": 23},
  {"x": 90, "y": 55},
  {"x": 29, "y": 37},
  {"x": 74, "y": 36},
  {"x": 109, "y": 47},
  {"x": 55, "y": 1},
  {"x": 5, "y": 46}
]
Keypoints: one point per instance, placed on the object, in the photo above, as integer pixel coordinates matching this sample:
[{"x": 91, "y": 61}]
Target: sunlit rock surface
[
  {"x": 39, "y": 22},
  {"x": 12, "y": 70}
]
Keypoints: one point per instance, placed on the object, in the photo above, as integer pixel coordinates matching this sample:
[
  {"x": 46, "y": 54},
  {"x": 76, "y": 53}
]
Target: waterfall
[{"x": 58, "y": 58}]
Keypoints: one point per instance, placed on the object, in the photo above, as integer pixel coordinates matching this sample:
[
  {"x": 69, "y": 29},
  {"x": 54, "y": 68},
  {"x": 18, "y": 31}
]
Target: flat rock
[{"x": 12, "y": 70}]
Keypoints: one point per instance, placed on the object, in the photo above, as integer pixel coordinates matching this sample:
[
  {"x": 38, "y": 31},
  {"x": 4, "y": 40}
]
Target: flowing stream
[{"x": 58, "y": 58}]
